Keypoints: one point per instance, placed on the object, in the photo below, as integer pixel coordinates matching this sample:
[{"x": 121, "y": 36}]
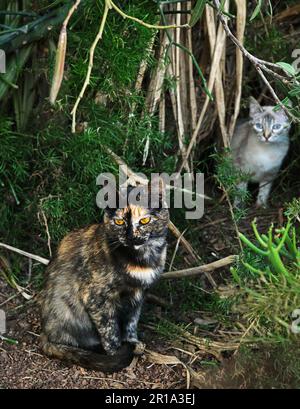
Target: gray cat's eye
[
  {"x": 258, "y": 126},
  {"x": 276, "y": 127}
]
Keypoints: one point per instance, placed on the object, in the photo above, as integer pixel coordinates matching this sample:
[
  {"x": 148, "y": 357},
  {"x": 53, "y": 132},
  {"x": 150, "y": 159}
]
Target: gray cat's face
[{"x": 269, "y": 125}]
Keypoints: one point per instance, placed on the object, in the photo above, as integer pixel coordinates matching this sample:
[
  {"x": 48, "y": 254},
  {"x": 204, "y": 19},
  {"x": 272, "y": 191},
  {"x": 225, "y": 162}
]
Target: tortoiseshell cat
[{"x": 95, "y": 284}]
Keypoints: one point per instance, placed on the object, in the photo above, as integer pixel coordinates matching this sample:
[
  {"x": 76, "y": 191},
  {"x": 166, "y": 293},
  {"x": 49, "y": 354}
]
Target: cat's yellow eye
[
  {"x": 145, "y": 220},
  {"x": 119, "y": 222}
]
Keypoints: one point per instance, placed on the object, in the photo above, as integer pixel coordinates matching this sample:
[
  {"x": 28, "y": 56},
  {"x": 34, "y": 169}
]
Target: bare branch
[
  {"x": 90, "y": 66},
  {"x": 260, "y": 65},
  {"x": 24, "y": 253},
  {"x": 205, "y": 268}
]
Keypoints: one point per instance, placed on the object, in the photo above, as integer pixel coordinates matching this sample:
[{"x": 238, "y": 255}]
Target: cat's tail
[{"x": 89, "y": 359}]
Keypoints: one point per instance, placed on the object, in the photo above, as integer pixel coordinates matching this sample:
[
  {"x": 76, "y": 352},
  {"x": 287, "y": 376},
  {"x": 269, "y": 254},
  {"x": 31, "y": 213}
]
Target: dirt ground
[{"x": 23, "y": 365}]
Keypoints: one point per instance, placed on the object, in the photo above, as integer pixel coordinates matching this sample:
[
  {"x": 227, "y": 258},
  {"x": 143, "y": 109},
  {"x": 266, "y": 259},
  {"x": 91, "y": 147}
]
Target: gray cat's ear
[
  {"x": 289, "y": 105},
  {"x": 281, "y": 112},
  {"x": 255, "y": 107}
]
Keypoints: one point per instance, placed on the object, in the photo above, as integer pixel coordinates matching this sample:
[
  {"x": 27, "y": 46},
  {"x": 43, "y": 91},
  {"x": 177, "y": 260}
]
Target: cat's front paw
[
  {"x": 111, "y": 348},
  {"x": 139, "y": 347},
  {"x": 261, "y": 205}
]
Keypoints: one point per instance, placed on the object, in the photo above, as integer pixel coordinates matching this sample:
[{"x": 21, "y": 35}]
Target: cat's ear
[
  {"x": 255, "y": 107},
  {"x": 280, "y": 113},
  {"x": 289, "y": 105},
  {"x": 156, "y": 191}
]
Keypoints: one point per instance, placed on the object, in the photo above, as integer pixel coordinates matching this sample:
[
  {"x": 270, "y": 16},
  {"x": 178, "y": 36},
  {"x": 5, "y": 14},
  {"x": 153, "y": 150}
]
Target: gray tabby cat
[{"x": 259, "y": 147}]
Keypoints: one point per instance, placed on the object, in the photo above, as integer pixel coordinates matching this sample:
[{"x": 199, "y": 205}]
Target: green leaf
[
  {"x": 294, "y": 91},
  {"x": 197, "y": 12},
  {"x": 9, "y": 340},
  {"x": 256, "y": 10},
  {"x": 287, "y": 68}
]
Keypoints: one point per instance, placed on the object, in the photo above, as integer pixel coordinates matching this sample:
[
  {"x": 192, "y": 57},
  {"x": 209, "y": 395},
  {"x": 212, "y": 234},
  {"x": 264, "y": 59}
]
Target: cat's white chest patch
[
  {"x": 262, "y": 161},
  {"x": 144, "y": 274},
  {"x": 265, "y": 160}
]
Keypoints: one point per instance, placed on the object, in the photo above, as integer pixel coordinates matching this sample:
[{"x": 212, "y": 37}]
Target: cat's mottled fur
[
  {"x": 95, "y": 286},
  {"x": 260, "y": 145}
]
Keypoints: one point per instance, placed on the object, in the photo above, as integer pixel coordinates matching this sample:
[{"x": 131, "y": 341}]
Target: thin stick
[
  {"x": 175, "y": 250},
  {"x": 171, "y": 91},
  {"x": 178, "y": 57},
  {"x": 61, "y": 54},
  {"x": 156, "y": 82},
  {"x": 24, "y": 253},
  {"x": 220, "y": 39},
  {"x": 90, "y": 66},
  {"x": 212, "y": 76},
  {"x": 232, "y": 216},
  {"x": 130, "y": 173},
  {"x": 9, "y": 299},
  {"x": 173, "y": 229},
  {"x": 192, "y": 94},
  {"x": 240, "y": 30},
  {"x": 47, "y": 232},
  {"x": 154, "y": 299},
  {"x": 144, "y": 65},
  {"x": 205, "y": 268},
  {"x": 162, "y": 114},
  {"x": 141, "y": 21},
  {"x": 251, "y": 57}
]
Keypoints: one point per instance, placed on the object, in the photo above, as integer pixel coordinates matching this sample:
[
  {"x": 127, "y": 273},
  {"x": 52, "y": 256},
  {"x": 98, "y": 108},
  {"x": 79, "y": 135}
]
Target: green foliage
[
  {"x": 49, "y": 173},
  {"x": 270, "y": 292},
  {"x": 279, "y": 249},
  {"x": 117, "y": 58},
  {"x": 256, "y": 10},
  {"x": 197, "y": 12},
  {"x": 195, "y": 16},
  {"x": 269, "y": 367},
  {"x": 293, "y": 209},
  {"x": 229, "y": 177},
  {"x": 270, "y": 37}
]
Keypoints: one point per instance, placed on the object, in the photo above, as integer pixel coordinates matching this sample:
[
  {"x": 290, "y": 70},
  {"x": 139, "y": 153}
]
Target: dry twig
[
  {"x": 260, "y": 65},
  {"x": 90, "y": 66},
  {"x": 194, "y": 271},
  {"x": 26, "y": 254},
  {"x": 109, "y": 4},
  {"x": 61, "y": 55}
]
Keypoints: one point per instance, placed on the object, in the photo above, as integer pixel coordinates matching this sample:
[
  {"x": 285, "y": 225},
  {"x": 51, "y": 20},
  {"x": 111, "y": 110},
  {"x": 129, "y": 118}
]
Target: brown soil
[{"x": 23, "y": 365}]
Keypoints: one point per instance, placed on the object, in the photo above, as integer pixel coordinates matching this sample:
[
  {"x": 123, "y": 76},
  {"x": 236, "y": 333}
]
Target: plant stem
[
  {"x": 91, "y": 63},
  {"x": 157, "y": 27}
]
